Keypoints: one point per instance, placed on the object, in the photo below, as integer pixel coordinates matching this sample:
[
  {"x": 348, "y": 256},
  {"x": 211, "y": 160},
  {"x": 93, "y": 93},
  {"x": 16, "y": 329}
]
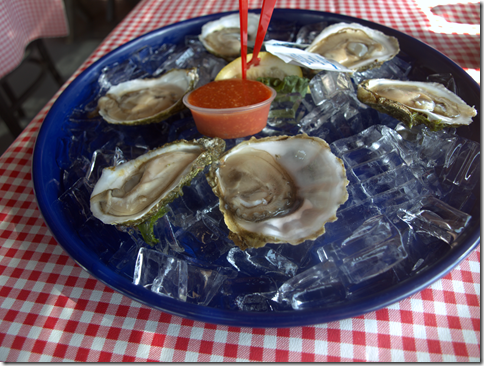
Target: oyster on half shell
[
  {"x": 355, "y": 46},
  {"x": 278, "y": 189},
  {"x": 414, "y": 102},
  {"x": 221, "y": 37},
  {"x": 142, "y": 101},
  {"x": 130, "y": 193}
]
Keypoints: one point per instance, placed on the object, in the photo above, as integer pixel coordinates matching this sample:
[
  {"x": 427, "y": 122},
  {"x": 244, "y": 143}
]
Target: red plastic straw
[
  {"x": 243, "y": 14},
  {"x": 265, "y": 19}
]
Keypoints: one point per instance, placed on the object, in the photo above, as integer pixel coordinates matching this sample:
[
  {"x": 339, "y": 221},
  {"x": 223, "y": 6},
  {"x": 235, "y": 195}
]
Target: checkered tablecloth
[
  {"x": 22, "y": 21},
  {"x": 52, "y": 310}
]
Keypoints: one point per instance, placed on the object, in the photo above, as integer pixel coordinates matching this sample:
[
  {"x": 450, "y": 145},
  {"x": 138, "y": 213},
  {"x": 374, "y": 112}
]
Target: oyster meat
[
  {"x": 278, "y": 189},
  {"x": 355, "y": 46},
  {"x": 143, "y": 101},
  {"x": 221, "y": 37},
  {"x": 130, "y": 193},
  {"x": 414, "y": 102}
]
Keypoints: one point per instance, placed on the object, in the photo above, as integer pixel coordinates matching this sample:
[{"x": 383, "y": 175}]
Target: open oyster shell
[
  {"x": 355, "y": 46},
  {"x": 278, "y": 189},
  {"x": 414, "y": 102},
  {"x": 130, "y": 193},
  {"x": 142, "y": 101},
  {"x": 221, "y": 37}
]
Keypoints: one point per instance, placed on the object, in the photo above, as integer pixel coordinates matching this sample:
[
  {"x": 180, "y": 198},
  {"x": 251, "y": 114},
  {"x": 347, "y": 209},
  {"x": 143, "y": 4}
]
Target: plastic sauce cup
[{"x": 229, "y": 123}]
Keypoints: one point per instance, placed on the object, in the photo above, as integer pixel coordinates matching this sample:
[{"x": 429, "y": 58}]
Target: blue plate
[{"x": 47, "y": 184}]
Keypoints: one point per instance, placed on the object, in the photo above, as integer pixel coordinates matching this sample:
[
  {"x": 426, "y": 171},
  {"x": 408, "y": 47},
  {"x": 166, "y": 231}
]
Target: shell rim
[{"x": 260, "y": 239}]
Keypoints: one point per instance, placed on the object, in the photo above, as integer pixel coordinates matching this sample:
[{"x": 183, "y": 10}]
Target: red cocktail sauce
[{"x": 217, "y": 107}]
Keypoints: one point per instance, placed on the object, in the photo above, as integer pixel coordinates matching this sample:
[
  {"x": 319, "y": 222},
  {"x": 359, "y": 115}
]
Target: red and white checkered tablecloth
[
  {"x": 22, "y": 21},
  {"x": 52, "y": 310}
]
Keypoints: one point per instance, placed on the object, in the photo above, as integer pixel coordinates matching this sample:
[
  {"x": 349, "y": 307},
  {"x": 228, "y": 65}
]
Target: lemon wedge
[{"x": 269, "y": 66}]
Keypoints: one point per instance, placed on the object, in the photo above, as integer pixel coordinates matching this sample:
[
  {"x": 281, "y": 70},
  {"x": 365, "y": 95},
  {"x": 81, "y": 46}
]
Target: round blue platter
[{"x": 47, "y": 175}]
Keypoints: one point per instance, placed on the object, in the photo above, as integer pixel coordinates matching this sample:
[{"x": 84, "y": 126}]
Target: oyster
[
  {"x": 414, "y": 102},
  {"x": 132, "y": 192},
  {"x": 143, "y": 101},
  {"x": 278, "y": 189},
  {"x": 354, "y": 46},
  {"x": 222, "y": 36}
]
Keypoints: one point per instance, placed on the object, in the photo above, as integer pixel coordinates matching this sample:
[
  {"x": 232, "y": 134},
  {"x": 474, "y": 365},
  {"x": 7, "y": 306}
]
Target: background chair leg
[
  {"x": 11, "y": 95},
  {"x": 48, "y": 61},
  {"x": 8, "y": 117}
]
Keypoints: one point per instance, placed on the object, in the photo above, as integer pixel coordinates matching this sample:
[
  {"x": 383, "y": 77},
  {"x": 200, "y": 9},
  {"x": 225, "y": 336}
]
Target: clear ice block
[
  {"x": 397, "y": 68},
  {"x": 375, "y": 247},
  {"x": 178, "y": 279},
  {"x": 435, "y": 218},
  {"x": 309, "y": 32},
  {"x": 281, "y": 30},
  {"x": 259, "y": 261},
  {"x": 318, "y": 285},
  {"x": 338, "y": 117},
  {"x": 448, "y": 164},
  {"x": 326, "y": 84},
  {"x": 462, "y": 164},
  {"x": 249, "y": 293}
]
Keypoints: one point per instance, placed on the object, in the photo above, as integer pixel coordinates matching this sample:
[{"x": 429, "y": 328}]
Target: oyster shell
[
  {"x": 132, "y": 192},
  {"x": 414, "y": 102},
  {"x": 355, "y": 46},
  {"x": 142, "y": 101},
  {"x": 278, "y": 189},
  {"x": 222, "y": 36}
]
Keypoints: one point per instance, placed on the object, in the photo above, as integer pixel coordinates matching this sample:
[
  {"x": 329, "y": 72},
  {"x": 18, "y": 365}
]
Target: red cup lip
[{"x": 229, "y": 110}]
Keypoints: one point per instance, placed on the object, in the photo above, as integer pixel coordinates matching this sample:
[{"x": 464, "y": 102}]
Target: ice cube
[
  {"x": 348, "y": 220},
  {"x": 448, "y": 164},
  {"x": 309, "y": 32},
  {"x": 193, "y": 55},
  {"x": 326, "y": 84},
  {"x": 281, "y": 30},
  {"x": 318, "y": 285},
  {"x": 256, "y": 302},
  {"x": 368, "y": 145},
  {"x": 122, "y": 259},
  {"x": 249, "y": 293},
  {"x": 119, "y": 73},
  {"x": 259, "y": 261},
  {"x": 77, "y": 195},
  {"x": 164, "y": 232},
  {"x": 204, "y": 243},
  {"x": 423, "y": 250},
  {"x": 436, "y": 218},
  {"x": 148, "y": 58},
  {"x": 377, "y": 166},
  {"x": 178, "y": 279},
  {"x": 363, "y": 139},
  {"x": 337, "y": 118},
  {"x": 402, "y": 196},
  {"x": 397, "y": 68},
  {"x": 446, "y": 79},
  {"x": 375, "y": 247},
  {"x": 462, "y": 165},
  {"x": 297, "y": 254}
]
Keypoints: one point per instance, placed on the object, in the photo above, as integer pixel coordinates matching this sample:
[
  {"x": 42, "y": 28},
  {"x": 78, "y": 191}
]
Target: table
[
  {"x": 23, "y": 25},
  {"x": 23, "y": 21},
  {"x": 52, "y": 310}
]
